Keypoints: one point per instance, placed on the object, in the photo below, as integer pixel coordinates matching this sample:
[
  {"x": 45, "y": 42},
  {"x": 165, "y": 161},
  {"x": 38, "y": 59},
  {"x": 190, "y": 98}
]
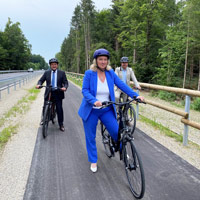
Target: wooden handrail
[
  {"x": 188, "y": 92},
  {"x": 173, "y": 110},
  {"x": 191, "y": 123}
]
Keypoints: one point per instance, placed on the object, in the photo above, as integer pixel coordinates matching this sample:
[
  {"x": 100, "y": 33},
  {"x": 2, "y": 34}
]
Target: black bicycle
[
  {"x": 49, "y": 113},
  {"x": 127, "y": 150}
]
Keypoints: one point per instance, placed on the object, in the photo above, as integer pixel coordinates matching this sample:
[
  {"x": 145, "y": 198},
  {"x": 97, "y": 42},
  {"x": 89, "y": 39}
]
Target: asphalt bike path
[{"x": 60, "y": 169}]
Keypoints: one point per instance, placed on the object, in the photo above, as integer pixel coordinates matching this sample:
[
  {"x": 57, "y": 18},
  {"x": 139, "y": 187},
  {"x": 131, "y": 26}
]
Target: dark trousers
[{"x": 59, "y": 109}]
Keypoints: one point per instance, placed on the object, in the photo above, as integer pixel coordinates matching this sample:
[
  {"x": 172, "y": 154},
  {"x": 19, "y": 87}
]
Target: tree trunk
[
  {"x": 78, "y": 52},
  {"x": 186, "y": 57},
  {"x": 191, "y": 70},
  {"x": 86, "y": 45},
  {"x": 199, "y": 76},
  {"x": 169, "y": 67},
  {"x": 134, "y": 51}
]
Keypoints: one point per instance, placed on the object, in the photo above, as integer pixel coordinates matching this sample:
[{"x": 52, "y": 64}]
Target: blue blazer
[{"x": 89, "y": 91}]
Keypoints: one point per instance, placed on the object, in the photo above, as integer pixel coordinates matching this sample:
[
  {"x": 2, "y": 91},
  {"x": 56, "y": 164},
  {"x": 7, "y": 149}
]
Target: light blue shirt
[
  {"x": 55, "y": 78},
  {"x": 124, "y": 75}
]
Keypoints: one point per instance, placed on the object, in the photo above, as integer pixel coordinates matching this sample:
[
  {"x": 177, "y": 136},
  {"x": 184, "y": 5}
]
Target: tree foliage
[
  {"x": 152, "y": 33},
  {"x": 15, "y": 50}
]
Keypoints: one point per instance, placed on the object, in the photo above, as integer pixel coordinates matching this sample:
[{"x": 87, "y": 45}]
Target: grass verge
[
  {"x": 20, "y": 108},
  {"x": 76, "y": 81},
  {"x": 166, "y": 131},
  {"x": 6, "y": 133}
]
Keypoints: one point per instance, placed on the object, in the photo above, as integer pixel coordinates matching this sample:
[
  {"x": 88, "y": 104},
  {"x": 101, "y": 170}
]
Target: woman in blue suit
[{"x": 98, "y": 86}]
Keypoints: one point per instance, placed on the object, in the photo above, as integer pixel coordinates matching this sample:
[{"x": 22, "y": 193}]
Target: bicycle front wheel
[
  {"x": 45, "y": 121},
  {"x": 106, "y": 140},
  {"x": 134, "y": 169},
  {"x": 131, "y": 118}
]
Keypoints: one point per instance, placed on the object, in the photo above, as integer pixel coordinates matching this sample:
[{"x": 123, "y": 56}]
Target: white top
[{"x": 102, "y": 91}]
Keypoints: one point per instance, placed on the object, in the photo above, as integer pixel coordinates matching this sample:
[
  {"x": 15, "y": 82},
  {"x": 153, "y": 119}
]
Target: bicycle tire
[
  {"x": 134, "y": 169},
  {"x": 131, "y": 118},
  {"x": 106, "y": 140},
  {"x": 45, "y": 121}
]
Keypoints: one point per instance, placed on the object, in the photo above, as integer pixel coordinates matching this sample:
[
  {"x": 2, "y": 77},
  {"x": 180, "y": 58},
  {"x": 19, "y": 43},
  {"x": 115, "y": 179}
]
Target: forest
[
  {"x": 15, "y": 50},
  {"x": 160, "y": 37}
]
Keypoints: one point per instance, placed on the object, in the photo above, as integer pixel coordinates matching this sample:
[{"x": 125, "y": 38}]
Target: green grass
[
  {"x": 6, "y": 133},
  {"x": 164, "y": 130},
  {"x": 74, "y": 80},
  {"x": 21, "y": 107}
]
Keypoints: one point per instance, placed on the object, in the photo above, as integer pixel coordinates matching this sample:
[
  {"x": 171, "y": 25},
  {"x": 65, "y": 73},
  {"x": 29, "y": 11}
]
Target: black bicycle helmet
[
  {"x": 53, "y": 60},
  {"x": 124, "y": 59},
  {"x": 101, "y": 52}
]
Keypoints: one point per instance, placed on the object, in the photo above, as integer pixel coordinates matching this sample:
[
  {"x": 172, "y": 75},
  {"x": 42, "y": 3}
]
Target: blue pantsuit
[
  {"x": 107, "y": 117},
  {"x": 90, "y": 116}
]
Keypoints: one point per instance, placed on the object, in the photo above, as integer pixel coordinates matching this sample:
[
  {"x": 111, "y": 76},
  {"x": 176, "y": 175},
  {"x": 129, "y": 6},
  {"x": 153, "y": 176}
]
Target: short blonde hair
[{"x": 93, "y": 67}]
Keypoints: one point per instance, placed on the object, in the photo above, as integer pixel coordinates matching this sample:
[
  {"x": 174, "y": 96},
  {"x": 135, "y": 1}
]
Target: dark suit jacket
[{"x": 61, "y": 82}]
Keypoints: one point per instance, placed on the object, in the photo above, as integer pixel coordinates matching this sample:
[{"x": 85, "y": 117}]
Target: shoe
[
  {"x": 62, "y": 128},
  {"x": 93, "y": 169}
]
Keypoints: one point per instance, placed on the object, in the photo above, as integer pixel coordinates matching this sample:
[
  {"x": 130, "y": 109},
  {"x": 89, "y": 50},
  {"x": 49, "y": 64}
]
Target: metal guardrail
[
  {"x": 185, "y": 115},
  {"x": 22, "y": 81},
  {"x": 11, "y": 71}
]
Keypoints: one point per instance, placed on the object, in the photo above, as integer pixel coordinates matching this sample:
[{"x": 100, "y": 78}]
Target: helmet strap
[{"x": 103, "y": 70}]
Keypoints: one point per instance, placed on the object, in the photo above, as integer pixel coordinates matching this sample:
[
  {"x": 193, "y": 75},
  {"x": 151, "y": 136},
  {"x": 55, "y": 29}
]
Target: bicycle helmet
[
  {"x": 124, "y": 59},
  {"x": 101, "y": 52},
  {"x": 53, "y": 60}
]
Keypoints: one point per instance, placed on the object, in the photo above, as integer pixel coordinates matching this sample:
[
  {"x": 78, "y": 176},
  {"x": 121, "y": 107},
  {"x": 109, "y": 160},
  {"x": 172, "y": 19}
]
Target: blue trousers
[{"x": 108, "y": 118}]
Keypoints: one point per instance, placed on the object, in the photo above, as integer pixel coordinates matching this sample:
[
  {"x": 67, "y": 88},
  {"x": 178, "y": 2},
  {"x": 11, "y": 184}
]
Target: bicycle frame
[{"x": 123, "y": 132}]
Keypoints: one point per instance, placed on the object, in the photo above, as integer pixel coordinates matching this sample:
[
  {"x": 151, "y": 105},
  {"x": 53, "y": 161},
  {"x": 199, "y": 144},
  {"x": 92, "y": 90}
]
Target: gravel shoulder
[
  {"x": 15, "y": 160},
  {"x": 170, "y": 120}
]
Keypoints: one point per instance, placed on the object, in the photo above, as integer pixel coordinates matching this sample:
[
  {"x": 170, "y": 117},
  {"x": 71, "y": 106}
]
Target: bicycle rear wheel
[
  {"x": 45, "y": 121},
  {"x": 131, "y": 118},
  {"x": 134, "y": 169},
  {"x": 106, "y": 140}
]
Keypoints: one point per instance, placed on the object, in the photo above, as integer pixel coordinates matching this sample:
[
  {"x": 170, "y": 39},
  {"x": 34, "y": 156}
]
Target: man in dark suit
[{"x": 57, "y": 79}]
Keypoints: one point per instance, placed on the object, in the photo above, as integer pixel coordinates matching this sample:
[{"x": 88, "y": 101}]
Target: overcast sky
[{"x": 45, "y": 23}]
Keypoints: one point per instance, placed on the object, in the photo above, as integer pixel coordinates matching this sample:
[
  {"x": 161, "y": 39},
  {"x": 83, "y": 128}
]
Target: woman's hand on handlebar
[
  {"x": 98, "y": 104},
  {"x": 141, "y": 98}
]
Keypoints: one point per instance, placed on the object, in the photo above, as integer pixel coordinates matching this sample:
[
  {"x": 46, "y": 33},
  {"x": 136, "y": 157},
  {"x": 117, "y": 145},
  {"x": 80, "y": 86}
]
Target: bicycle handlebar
[
  {"x": 55, "y": 88},
  {"x": 108, "y": 103}
]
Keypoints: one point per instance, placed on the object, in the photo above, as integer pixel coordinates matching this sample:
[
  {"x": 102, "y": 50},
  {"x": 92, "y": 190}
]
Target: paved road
[{"x": 60, "y": 170}]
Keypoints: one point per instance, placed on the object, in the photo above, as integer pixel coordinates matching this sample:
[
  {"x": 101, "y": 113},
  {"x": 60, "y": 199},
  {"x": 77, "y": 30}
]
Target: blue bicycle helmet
[
  {"x": 124, "y": 59},
  {"x": 101, "y": 52},
  {"x": 53, "y": 60}
]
